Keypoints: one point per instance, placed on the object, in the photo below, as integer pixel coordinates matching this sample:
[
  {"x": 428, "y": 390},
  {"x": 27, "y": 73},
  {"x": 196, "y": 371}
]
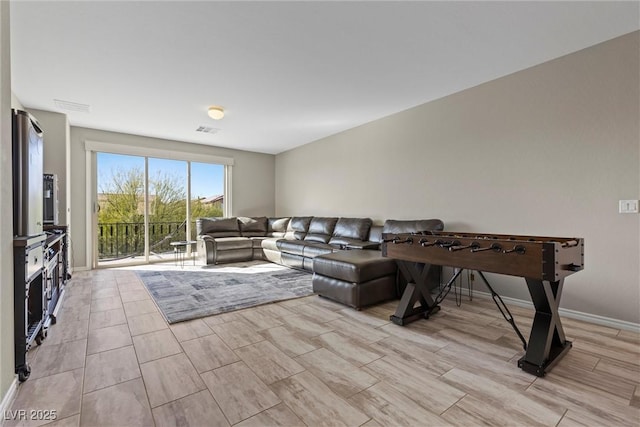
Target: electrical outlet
[{"x": 628, "y": 206}]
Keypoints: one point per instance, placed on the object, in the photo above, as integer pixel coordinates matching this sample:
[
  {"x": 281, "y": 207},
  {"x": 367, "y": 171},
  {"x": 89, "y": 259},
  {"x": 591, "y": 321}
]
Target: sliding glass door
[
  {"x": 121, "y": 196},
  {"x": 143, "y": 205}
]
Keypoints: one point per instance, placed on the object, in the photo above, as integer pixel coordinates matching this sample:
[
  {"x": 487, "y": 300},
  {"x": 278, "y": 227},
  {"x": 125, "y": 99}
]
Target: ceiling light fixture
[{"x": 215, "y": 112}]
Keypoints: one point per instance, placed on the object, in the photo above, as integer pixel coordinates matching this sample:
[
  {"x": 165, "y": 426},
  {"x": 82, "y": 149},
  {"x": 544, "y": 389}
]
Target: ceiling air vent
[
  {"x": 71, "y": 106},
  {"x": 207, "y": 129}
]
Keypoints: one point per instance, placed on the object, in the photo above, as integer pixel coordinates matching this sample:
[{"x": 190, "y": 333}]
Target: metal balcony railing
[{"x": 120, "y": 240}]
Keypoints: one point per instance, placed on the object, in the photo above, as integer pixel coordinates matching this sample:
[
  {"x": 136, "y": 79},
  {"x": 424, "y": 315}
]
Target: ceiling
[{"x": 287, "y": 73}]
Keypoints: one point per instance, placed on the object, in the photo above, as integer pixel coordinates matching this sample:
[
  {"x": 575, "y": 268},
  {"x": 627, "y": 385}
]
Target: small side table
[{"x": 179, "y": 251}]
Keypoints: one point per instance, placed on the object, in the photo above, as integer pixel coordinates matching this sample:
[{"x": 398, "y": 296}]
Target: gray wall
[
  {"x": 253, "y": 178},
  {"x": 56, "y": 135},
  {"x": 7, "y": 373},
  {"x": 546, "y": 151}
]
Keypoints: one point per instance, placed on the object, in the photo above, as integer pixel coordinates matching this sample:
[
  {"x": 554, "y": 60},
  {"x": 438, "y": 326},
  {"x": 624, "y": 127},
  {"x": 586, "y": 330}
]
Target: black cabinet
[
  {"x": 41, "y": 270},
  {"x": 30, "y": 305},
  {"x": 56, "y": 268}
]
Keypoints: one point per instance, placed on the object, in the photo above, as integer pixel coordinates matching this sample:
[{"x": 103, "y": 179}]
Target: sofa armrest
[
  {"x": 206, "y": 249},
  {"x": 363, "y": 245}
]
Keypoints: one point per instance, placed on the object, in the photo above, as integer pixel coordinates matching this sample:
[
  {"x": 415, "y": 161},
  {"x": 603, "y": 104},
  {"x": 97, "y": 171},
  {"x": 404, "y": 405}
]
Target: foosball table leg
[{"x": 547, "y": 343}]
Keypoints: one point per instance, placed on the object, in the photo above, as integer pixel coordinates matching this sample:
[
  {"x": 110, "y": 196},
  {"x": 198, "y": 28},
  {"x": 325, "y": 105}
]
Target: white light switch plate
[{"x": 628, "y": 206}]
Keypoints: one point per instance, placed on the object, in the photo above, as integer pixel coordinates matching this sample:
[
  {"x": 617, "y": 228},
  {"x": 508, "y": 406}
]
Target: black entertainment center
[{"x": 40, "y": 252}]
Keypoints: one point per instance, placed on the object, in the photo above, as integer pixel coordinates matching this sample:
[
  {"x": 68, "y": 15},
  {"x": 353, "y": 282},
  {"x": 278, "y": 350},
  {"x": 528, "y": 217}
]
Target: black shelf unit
[
  {"x": 30, "y": 305},
  {"x": 56, "y": 268}
]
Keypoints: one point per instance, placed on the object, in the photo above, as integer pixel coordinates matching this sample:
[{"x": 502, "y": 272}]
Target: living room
[{"x": 546, "y": 149}]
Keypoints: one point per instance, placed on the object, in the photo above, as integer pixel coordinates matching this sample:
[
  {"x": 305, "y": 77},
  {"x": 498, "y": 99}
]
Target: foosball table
[{"x": 543, "y": 262}]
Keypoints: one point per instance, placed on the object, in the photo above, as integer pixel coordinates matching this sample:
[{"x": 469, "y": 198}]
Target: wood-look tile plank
[
  {"x": 209, "y": 352},
  {"x": 146, "y": 323},
  {"x": 185, "y": 331},
  {"x": 56, "y": 358},
  {"x": 136, "y": 308},
  {"x": 107, "y": 303},
  {"x": 196, "y": 410},
  {"x": 239, "y": 391},
  {"x": 417, "y": 383},
  {"x": 274, "y": 310},
  {"x": 104, "y": 319},
  {"x": 110, "y": 367},
  {"x": 609, "y": 347},
  {"x": 389, "y": 407},
  {"x": 353, "y": 351},
  {"x": 66, "y": 331},
  {"x": 104, "y": 293},
  {"x": 629, "y": 336},
  {"x": 72, "y": 421},
  {"x": 471, "y": 411},
  {"x": 363, "y": 317},
  {"x": 306, "y": 325},
  {"x": 170, "y": 378},
  {"x": 603, "y": 381},
  {"x": 155, "y": 345},
  {"x": 260, "y": 319},
  {"x": 134, "y": 295},
  {"x": 487, "y": 347},
  {"x": 123, "y": 404},
  {"x": 315, "y": 404},
  {"x": 268, "y": 362},
  {"x": 558, "y": 390},
  {"x": 327, "y": 303},
  {"x": 291, "y": 342},
  {"x": 61, "y": 393},
  {"x": 488, "y": 365},
  {"x": 414, "y": 353},
  {"x": 635, "y": 399},
  {"x": 278, "y": 416},
  {"x": 429, "y": 341},
  {"x": 108, "y": 338},
  {"x": 342, "y": 377},
  {"x": 237, "y": 333},
  {"x": 318, "y": 313},
  {"x": 520, "y": 407},
  {"x": 357, "y": 330},
  {"x": 627, "y": 371}
]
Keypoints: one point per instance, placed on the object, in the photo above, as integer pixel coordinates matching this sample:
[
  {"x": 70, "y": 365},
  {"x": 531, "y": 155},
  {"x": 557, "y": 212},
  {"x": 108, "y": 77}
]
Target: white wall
[
  {"x": 546, "y": 151},
  {"x": 253, "y": 178},
  {"x": 7, "y": 364}
]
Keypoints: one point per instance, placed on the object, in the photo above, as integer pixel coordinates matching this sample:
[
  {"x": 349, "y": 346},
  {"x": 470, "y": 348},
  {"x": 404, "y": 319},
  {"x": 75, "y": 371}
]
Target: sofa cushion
[
  {"x": 252, "y": 227},
  {"x": 297, "y": 228},
  {"x": 412, "y": 226},
  {"x": 277, "y": 227},
  {"x": 294, "y": 247},
  {"x": 218, "y": 227},
  {"x": 350, "y": 230},
  {"x": 314, "y": 249},
  {"x": 355, "y": 266},
  {"x": 375, "y": 234},
  {"x": 270, "y": 243},
  {"x": 229, "y": 243},
  {"x": 320, "y": 229}
]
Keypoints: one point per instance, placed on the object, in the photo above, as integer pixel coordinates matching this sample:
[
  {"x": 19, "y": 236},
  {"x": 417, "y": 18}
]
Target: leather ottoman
[{"x": 357, "y": 278}]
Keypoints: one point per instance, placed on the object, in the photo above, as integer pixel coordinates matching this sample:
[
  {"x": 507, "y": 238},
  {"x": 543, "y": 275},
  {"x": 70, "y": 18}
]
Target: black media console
[{"x": 40, "y": 271}]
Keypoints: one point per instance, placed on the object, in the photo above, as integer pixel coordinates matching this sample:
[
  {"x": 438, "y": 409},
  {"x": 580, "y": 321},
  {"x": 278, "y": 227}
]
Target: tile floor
[{"x": 112, "y": 360}]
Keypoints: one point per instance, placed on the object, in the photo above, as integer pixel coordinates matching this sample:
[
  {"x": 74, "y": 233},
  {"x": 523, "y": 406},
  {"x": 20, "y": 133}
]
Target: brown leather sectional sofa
[{"x": 343, "y": 253}]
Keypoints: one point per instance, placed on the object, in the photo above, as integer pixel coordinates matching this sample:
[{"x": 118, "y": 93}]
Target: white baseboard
[
  {"x": 573, "y": 314},
  {"x": 80, "y": 269},
  {"x": 7, "y": 400}
]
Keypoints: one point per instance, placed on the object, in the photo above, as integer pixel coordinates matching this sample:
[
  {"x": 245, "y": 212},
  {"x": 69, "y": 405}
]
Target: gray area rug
[{"x": 187, "y": 294}]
